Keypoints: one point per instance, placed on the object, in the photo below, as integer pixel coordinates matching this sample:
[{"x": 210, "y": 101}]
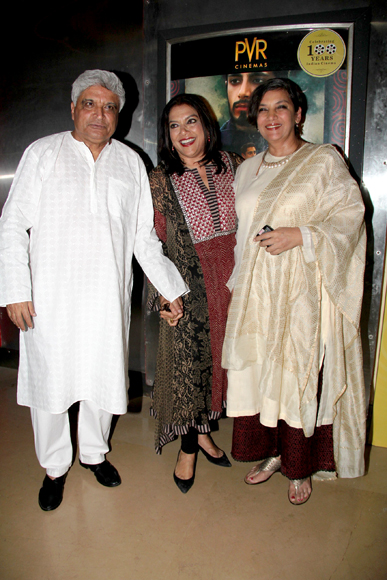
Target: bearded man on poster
[{"x": 237, "y": 130}]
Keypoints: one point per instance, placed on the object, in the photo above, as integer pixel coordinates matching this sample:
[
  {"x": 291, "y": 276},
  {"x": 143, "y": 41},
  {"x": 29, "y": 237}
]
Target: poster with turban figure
[{"x": 226, "y": 68}]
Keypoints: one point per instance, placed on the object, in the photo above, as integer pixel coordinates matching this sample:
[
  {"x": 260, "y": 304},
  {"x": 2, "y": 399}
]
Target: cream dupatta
[{"x": 314, "y": 189}]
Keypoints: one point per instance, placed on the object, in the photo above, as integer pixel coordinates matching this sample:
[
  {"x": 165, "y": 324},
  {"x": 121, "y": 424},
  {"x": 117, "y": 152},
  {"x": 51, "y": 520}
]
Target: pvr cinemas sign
[{"x": 250, "y": 56}]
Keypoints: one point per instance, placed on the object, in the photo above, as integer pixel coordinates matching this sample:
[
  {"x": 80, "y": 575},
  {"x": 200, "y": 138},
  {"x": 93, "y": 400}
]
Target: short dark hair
[
  {"x": 294, "y": 91},
  {"x": 170, "y": 158},
  {"x": 246, "y": 146}
]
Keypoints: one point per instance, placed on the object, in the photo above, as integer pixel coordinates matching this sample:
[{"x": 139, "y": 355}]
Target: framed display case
[
  {"x": 326, "y": 54},
  {"x": 317, "y": 52}
]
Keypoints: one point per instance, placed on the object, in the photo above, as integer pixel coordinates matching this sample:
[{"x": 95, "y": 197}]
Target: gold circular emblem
[{"x": 321, "y": 52}]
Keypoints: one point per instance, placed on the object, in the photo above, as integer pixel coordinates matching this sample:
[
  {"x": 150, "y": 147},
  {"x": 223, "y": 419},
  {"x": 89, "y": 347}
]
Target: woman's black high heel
[
  {"x": 222, "y": 461},
  {"x": 184, "y": 484}
]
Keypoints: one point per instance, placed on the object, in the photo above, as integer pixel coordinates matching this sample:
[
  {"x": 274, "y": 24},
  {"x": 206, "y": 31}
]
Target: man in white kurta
[{"x": 79, "y": 208}]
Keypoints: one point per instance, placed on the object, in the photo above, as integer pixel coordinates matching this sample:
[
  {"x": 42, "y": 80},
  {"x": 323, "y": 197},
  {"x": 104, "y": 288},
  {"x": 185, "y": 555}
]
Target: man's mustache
[{"x": 244, "y": 102}]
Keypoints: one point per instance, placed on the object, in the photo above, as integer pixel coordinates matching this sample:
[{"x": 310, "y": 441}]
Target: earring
[
  {"x": 173, "y": 148},
  {"x": 208, "y": 138}
]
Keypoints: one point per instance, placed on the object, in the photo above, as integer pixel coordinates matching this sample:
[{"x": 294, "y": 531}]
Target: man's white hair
[{"x": 104, "y": 78}]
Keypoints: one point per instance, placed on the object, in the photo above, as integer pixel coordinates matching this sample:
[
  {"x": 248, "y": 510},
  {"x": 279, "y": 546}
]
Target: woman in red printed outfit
[{"x": 193, "y": 198}]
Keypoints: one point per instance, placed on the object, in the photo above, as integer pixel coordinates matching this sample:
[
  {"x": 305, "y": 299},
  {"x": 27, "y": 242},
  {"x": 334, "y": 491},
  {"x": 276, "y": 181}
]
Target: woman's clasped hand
[{"x": 280, "y": 240}]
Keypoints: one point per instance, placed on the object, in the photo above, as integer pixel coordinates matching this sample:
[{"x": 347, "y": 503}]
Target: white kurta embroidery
[{"x": 85, "y": 219}]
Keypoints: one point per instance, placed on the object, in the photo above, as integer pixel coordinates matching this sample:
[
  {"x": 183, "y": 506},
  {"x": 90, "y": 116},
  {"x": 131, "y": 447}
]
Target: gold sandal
[
  {"x": 297, "y": 484},
  {"x": 270, "y": 464}
]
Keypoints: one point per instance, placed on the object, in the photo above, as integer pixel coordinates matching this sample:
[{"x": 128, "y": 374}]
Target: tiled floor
[{"x": 146, "y": 529}]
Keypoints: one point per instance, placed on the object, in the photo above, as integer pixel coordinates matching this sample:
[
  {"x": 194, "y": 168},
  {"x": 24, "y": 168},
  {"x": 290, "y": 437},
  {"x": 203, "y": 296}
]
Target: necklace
[{"x": 274, "y": 164}]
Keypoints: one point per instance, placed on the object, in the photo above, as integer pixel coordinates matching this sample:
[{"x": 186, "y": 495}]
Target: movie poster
[{"x": 226, "y": 68}]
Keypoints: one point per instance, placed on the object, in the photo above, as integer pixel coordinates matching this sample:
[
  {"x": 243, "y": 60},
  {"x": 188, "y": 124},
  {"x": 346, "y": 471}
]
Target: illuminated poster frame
[
  {"x": 175, "y": 48},
  {"x": 209, "y": 50},
  {"x": 209, "y": 64}
]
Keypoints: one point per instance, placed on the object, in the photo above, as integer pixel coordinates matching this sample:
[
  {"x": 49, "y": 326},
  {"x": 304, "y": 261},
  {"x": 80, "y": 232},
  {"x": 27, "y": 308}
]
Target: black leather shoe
[
  {"x": 105, "y": 473},
  {"x": 184, "y": 484},
  {"x": 51, "y": 493},
  {"x": 222, "y": 461}
]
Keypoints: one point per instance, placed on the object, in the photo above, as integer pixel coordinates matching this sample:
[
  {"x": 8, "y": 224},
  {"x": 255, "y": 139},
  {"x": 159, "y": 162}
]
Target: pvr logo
[{"x": 259, "y": 45}]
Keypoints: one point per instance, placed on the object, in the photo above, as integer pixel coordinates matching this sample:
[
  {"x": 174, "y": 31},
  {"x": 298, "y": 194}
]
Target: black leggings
[{"x": 189, "y": 442}]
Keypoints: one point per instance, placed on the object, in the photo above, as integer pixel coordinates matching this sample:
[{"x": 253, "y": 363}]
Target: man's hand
[
  {"x": 280, "y": 240},
  {"x": 171, "y": 311},
  {"x": 21, "y": 314}
]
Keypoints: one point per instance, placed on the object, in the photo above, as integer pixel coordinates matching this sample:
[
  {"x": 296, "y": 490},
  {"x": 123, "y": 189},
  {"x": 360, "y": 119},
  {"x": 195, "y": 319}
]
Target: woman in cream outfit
[{"x": 292, "y": 345}]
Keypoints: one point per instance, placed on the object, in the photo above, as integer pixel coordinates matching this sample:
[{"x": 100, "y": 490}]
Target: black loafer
[
  {"x": 105, "y": 473},
  {"x": 51, "y": 493},
  {"x": 222, "y": 461}
]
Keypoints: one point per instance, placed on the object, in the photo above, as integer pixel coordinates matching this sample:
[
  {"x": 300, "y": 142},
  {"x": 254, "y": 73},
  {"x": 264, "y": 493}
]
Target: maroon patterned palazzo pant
[{"x": 300, "y": 456}]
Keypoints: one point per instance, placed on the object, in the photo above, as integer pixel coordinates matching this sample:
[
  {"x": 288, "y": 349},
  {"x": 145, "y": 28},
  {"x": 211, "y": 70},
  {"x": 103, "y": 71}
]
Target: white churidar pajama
[
  {"x": 68, "y": 233},
  {"x": 53, "y": 439}
]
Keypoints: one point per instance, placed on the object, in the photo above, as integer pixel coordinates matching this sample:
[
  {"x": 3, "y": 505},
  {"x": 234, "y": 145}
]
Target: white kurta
[{"x": 85, "y": 221}]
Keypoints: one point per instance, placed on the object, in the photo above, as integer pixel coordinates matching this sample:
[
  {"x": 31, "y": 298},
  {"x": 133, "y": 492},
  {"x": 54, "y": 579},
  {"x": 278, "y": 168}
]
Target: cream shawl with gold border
[{"x": 316, "y": 190}]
